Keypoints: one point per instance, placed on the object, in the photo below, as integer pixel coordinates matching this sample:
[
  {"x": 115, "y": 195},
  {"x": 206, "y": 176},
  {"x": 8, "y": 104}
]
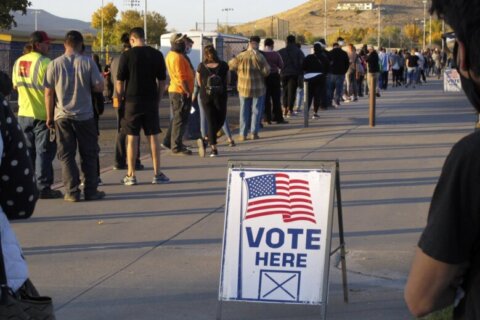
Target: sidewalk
[{"x": 153, "y": 251}]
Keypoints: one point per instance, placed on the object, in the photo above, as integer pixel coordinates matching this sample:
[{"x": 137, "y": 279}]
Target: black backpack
[{"x": 214, "y": 85}]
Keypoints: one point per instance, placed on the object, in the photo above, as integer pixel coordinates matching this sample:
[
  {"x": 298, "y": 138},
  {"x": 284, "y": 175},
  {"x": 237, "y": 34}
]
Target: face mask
[
  {"x": 468, "y": 85},
  {"x": 179, "y": 47},
  {"x": 471, "y": 91}
]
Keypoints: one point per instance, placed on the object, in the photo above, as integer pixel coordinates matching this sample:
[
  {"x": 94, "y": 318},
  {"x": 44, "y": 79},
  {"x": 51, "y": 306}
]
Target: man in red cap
[{"x": 28, "y": 77}]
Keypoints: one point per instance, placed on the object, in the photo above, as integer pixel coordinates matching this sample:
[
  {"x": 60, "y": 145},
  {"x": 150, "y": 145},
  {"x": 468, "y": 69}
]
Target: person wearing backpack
[{"x": 212, "y": 76}]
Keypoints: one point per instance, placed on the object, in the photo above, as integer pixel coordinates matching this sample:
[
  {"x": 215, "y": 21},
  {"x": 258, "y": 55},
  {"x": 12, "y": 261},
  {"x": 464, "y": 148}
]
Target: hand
[{"x": 50, "y": 124}]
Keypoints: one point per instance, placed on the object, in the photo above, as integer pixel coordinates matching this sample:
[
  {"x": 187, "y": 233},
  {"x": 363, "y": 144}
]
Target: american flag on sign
[{"x": 273, "y": 194}]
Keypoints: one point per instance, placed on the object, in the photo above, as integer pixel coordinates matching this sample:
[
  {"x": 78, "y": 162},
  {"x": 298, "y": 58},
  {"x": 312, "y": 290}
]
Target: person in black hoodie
[
  {"x": 317, "y": 62},
  {"x": 339, "y": 64},
  {"x": 292, "y": 58}
]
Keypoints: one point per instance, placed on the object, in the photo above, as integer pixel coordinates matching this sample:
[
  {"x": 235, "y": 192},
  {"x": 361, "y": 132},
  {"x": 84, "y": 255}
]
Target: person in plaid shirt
[{"x": 252, "y": 69}]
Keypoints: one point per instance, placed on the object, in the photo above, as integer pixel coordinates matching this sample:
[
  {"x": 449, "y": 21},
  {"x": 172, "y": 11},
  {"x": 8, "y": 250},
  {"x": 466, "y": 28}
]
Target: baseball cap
[
  {"x": 177, "y": 37},
  {"x": 39, "y": 37}
]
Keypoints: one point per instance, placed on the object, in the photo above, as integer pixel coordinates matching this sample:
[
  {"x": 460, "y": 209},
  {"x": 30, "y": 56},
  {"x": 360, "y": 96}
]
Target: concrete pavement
[{"x": 153, "y": 251}]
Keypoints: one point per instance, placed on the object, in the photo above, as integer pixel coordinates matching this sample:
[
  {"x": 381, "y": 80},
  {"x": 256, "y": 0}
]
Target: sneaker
[
  {"x": 119, "y": 167},
  {"x": 315, "y": 116},
  {"x": 213, "y": 153},
  {"x": 241, "y": 138},
  {"x": 254, "y": 136},
  {"x": 378, "y": 94},
  {"x": 182, "y": 152},
  {"x": 139, "y": 167},
  {"x": 231, "y": 143},
  {"x": 72, "y": 197},
  {"x": 95, "y": 196},
  {"x": 129, "y": 181},
  {"x": 50, "y": 194},
  {"x": 160, "y": 179},
  {"x": 201, "y": 148},
  {"x": 164, "y": 146}
]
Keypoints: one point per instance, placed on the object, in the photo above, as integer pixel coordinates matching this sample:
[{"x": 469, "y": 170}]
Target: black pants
[
  {"x": 317, "y": 92},
  {"x": 289, "y": 84},
  {"x": 82, "y": 134},
  {"x": 273, "y": 108},
  {"x": 215, "y": 108},
  {"x": 180, "y": 105},
  {"x": 121, "y": 141}
]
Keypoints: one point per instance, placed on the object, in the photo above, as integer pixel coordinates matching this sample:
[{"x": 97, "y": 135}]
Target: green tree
[
  {"x": 156, "y": 24},
  {"x": 7, "y": 20},
  {"x": 413, "y": 34},
  {"x": 260, "y": 32},
  {"x": 109, "y": 22},
  {"x": 391, "y": 36}
]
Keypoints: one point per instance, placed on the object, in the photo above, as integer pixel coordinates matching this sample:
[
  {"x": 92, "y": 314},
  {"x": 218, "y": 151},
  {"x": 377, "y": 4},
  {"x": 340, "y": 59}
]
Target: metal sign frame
[{"x": 331, "y": 166}]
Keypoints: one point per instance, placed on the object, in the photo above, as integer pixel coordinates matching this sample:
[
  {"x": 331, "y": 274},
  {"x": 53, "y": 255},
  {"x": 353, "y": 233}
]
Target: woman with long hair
[{"x": 212, "y": 76}]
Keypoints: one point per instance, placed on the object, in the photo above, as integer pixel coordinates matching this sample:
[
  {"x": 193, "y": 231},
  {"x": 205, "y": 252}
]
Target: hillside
[{"x": 310, "y": 17}]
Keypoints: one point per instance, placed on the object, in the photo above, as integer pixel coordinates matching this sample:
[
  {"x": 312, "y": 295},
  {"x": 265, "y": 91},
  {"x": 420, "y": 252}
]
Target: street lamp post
[
  {"x": 203, "y": 29},
  {"x": 325, "y": 23},
  {"x": 101, "y": 39},
  {"x": 226, "y": 10},
  {"x": 379, "y": 25},
  {"x": 36, "y": 12},
  {"x": 424, "y": 22}
]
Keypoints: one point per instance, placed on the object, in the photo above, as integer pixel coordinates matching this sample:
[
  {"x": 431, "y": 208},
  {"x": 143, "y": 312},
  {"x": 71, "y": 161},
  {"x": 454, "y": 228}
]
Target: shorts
[{"x": 141, "y": 115}]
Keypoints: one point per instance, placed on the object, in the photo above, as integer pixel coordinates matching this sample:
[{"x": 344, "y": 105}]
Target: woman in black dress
[{"x": 212, "y": 76}]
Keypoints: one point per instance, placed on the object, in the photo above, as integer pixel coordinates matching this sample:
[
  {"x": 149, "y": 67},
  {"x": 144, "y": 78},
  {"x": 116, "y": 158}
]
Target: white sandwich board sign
[{"x": 277, "y": 235}]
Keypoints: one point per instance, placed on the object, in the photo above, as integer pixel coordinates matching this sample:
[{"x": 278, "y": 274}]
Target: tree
[
  {"x": 156, "y": 24},
  {"x": 413, "y": 34},
  {"x": 6, "y": 7},
  {"x": 109, "y": 22}
]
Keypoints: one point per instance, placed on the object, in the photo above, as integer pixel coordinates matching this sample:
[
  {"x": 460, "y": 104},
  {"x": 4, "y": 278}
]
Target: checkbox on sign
[{"x": 282, "y": 286}]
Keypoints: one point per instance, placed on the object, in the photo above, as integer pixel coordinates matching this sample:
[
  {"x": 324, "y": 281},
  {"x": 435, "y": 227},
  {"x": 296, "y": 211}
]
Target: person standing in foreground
[
  {"x": 445, "y": 274},
  {"x": 69, "y": 82},
  {"x": 140, "y": 82},
  {"x": 252, "y": 68},
  {"x": 28, "y": 78},
  {"x": 180, "y": 92}
]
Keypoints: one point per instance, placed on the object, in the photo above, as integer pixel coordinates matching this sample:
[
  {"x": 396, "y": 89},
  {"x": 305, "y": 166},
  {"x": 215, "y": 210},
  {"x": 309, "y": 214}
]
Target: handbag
[{"x": 22, "y": 305}]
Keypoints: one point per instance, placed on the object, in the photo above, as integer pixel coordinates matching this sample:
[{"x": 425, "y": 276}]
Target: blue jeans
[
  {"x": 412, "y": 76},
  {"x": 336, "y": 86},
  {"x": 299, "y": 98},
  {"x": 251, "y": 111},
  {"x": 42, "y": 151}
]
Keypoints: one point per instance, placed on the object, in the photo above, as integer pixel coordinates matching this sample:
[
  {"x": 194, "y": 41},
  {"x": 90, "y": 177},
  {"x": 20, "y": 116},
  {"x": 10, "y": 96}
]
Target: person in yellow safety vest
[{"x": 28, "y": 79}]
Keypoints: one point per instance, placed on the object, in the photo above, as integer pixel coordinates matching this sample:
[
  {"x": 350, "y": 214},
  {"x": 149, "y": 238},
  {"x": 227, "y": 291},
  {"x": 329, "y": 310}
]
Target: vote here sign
[{"x": 277, "y": 236}]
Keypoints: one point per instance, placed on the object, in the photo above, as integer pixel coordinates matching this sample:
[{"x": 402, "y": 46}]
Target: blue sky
[{"x": 180, "y": 14}]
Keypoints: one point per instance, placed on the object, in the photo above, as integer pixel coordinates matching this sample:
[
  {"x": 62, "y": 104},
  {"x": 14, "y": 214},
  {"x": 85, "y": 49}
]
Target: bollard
[
  {"x": 372, "y": 89},
  {"x": 305, "y": 104}
]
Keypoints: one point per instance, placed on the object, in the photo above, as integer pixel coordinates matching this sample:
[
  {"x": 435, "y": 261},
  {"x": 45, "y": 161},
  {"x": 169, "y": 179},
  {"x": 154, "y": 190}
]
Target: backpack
[{"x": 214, "y": 85}]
